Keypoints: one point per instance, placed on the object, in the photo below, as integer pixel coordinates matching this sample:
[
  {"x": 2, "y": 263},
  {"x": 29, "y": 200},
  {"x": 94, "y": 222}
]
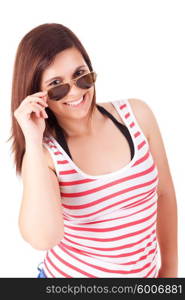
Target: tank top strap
[{"x": 125, "y": 110}]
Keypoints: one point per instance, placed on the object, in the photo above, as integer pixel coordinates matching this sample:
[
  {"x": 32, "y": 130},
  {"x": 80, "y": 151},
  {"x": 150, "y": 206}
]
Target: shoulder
[
  {"x": 49, "y": 159},
  {"x": 144, "y": 116},
  {"x": 142, "y": 113}
]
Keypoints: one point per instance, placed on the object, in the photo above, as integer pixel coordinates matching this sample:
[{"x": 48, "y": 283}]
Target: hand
[{"x": 30, "y": 116}]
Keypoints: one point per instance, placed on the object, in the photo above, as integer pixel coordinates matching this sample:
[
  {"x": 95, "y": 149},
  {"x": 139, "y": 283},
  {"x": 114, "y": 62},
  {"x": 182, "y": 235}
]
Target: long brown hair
[{"x": 35, "y": 53}]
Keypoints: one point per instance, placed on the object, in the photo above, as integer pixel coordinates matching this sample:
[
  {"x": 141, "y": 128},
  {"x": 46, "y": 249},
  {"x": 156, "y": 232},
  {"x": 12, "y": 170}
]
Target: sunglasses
[{"x": 60, "y": 91}]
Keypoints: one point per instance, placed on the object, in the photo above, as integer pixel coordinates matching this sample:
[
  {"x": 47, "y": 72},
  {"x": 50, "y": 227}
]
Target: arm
[
  {"x": 167, "y": 206},
  {"x": 40, "y": 218}
]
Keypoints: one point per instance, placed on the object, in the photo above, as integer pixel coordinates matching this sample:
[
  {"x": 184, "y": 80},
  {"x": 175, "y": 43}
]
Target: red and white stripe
[{"x": 110, "y": 219}]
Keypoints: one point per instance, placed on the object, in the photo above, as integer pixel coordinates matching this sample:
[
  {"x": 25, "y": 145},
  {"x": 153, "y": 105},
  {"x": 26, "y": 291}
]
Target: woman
[{"x": 97, "y": 189}]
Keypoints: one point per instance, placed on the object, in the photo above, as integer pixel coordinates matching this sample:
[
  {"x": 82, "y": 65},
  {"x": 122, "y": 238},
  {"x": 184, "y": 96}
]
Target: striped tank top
[{"x": 109, "y": 219}]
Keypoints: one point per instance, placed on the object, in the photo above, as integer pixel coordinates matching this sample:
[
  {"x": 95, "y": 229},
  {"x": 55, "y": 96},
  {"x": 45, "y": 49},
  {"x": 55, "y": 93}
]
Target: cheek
[{"x": 50, "y": 104}]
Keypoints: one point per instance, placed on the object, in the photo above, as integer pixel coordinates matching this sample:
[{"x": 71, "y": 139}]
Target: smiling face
[{"x": 67, "y": 65}]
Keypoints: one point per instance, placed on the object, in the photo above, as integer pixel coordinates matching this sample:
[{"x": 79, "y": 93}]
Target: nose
[{"x": 73, "y": 92}]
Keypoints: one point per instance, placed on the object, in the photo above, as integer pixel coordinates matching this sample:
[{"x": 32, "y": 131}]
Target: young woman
[{"x": 97, "y": 190}]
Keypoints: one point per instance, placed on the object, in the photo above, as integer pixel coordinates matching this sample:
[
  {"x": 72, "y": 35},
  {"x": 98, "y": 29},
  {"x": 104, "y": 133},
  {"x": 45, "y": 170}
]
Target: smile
[{"x": 76, "y": 103}]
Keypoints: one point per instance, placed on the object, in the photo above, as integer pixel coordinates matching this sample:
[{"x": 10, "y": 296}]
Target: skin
[{"x": 80, "y": 128}]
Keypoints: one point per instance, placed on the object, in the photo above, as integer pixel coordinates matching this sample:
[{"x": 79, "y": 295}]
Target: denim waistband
[
  {"x": 41, "y": 271},
  {"x": 41, "y": 274}
]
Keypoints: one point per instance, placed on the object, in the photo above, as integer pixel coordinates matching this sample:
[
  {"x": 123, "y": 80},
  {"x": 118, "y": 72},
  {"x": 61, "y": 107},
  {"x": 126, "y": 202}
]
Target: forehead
[{"x": 64, "y": 63}]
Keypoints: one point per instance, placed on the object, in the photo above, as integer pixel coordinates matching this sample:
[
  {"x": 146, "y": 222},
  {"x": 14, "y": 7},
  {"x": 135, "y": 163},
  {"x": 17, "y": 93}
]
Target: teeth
[{"x": 75, "y": 102}]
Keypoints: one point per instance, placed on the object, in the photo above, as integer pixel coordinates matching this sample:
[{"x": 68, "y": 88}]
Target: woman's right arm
[{"x": 40, "y": 218}]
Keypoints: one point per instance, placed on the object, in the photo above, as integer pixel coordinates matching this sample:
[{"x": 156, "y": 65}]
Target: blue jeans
[{"x": 41, "y": 272}]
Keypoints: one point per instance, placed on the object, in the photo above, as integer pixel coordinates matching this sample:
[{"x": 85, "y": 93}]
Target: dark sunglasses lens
[
  {"x": 86, "y": 81},
  {"x": 58, "y": 92}
]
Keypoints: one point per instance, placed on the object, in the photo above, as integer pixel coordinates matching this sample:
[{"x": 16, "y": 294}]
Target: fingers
[
  {"x": 36, "y": 99},
  {"x": 30, "y": 103},
  {"x": 40, "y": 94},
  {"x": 35, "y": 103},
  {"x": 38, "y": 109}
]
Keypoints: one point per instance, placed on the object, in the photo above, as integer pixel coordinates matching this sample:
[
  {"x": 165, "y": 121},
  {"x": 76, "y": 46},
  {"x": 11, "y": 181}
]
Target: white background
[{"x": 137, "y": 48}]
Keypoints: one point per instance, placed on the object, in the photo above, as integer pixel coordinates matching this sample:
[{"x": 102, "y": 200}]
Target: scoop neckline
[{"x": 124, "y": 168}]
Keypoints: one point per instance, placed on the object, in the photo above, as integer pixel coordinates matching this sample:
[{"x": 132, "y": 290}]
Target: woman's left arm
[{"x": 167, "y": 206}]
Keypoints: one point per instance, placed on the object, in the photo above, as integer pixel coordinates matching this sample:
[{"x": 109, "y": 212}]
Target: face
[{"x": 67, "y": 65}]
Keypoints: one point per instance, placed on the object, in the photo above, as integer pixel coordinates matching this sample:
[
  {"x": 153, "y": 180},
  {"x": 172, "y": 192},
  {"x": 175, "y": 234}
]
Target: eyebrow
[{"x": 59, "y": 77}]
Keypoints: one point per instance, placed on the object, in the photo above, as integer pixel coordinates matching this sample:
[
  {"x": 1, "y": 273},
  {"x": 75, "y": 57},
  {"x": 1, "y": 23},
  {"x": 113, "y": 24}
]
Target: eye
[
  {"x": 79, "y": 73},
  {"x": 55, "y": 82}
]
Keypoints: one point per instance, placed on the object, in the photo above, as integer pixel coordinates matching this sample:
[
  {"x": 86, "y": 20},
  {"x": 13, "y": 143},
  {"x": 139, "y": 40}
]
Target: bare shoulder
[
  {"x": 144, "y": 115},
  {"x": 49, "y": 159}
]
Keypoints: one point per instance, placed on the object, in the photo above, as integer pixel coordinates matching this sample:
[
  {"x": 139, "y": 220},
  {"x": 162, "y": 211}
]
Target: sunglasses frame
[{"x": 71, "y": 83}]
